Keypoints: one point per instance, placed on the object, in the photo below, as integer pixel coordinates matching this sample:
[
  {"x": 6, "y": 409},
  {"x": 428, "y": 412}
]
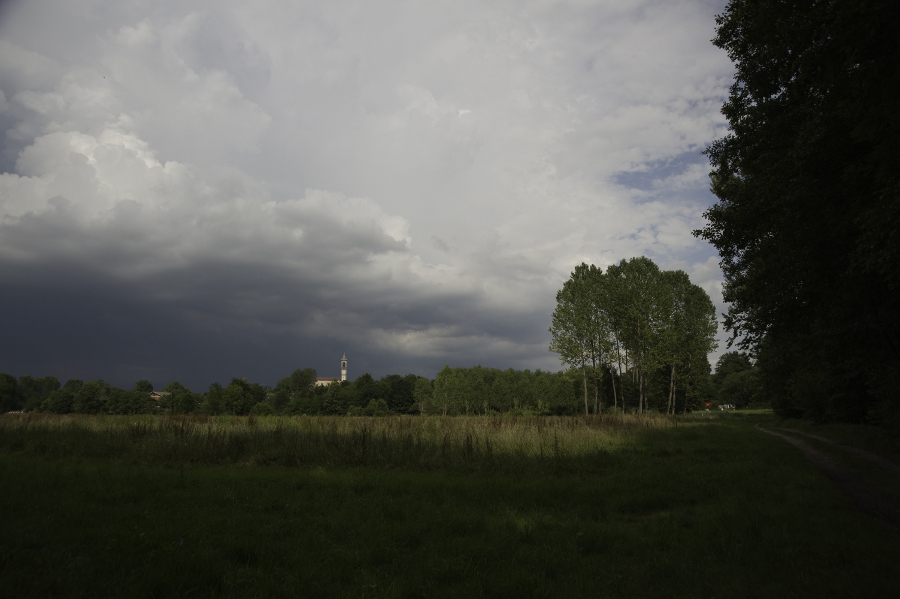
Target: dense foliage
[
  {"x": 455, "y": 391},
  {"x": 292, "y": 395},
  {"x": 480, "y": 390},
  {"x": 736, "y": 382},
  {"x": 808, "y": 218},
  {"x": 635, "y": 322}
]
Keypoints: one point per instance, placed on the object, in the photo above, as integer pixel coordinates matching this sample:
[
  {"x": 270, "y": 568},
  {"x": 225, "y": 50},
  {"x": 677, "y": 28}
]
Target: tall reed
[{"x": 415, "y": 442}]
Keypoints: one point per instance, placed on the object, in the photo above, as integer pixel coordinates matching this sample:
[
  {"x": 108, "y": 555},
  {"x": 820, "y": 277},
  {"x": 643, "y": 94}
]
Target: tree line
[
  {"x": 637, "y": 330},
  {"x": 294, "y": 394},
  {"x": 808, "y": 183},
  {"x": 480, "y": 390},
  {"x": 455, "y": 391}
]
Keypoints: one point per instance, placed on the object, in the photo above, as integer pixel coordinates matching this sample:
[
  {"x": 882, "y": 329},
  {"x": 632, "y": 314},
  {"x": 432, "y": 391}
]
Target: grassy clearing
[{"x": 706, "y": 508}]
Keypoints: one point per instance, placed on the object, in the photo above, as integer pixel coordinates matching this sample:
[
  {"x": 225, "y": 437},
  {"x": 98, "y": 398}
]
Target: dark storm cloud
[
  {"x": 199, "y": 190},
  {"x": 262, "y": 287}
]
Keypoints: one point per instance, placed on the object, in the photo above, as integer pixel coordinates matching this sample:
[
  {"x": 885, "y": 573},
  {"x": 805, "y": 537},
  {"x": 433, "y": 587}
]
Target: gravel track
[{"x": 864, "y": 497}]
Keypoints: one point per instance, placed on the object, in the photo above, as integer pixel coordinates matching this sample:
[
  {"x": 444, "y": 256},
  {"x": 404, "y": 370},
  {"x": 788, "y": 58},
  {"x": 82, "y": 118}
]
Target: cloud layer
[{"x": 200, "y": 190}]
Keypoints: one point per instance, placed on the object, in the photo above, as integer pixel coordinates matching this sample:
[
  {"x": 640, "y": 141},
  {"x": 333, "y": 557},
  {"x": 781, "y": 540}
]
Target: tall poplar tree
[
  {"x": 689, "y": 335},
  {"x": 642, "y": 306},
  {"x": 571, "y": 327},
  {"x": 635, "y": 316}
]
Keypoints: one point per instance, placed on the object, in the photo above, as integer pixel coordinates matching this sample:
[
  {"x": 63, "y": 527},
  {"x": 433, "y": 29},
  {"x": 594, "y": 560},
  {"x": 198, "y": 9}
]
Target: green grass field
[{"x": 413, "y": 507}]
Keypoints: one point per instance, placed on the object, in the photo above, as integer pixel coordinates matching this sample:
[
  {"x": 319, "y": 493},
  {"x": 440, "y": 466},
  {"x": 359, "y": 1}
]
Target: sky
[{"x": 196, "y": 190}]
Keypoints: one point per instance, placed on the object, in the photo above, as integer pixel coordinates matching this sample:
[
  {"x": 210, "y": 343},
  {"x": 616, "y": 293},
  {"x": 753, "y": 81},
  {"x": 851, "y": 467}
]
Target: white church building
[{"x": 327, "y": 380}]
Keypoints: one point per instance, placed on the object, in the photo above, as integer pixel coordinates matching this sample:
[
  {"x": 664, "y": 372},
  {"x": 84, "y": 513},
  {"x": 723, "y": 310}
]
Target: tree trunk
[
  {"x": 674, "y": 388},
  {"x": 619, "y": 359},
  {"x": 640, "y": 389},
  {"x": 624, "y": 395},
  {"x": 584, "y": 372},
  {"x": 644, "y": 390},
  {"x": 685, "y": 393},
  {"x": 612, "y": 377},
  {"x": 671, "y": 408},
  {"x": 594, "y": 375}
]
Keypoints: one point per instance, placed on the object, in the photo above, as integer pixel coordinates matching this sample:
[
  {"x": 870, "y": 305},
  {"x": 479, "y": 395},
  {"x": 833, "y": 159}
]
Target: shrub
[{"x": 262, "y": 409}]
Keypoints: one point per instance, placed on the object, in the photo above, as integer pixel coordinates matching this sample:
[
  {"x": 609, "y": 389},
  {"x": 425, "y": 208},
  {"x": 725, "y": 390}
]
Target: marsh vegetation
[{"x": 567, "y": 443}]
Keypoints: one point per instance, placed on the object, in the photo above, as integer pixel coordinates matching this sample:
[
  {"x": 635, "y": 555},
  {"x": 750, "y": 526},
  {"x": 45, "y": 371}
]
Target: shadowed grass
[{"x": 716, "y": 508}]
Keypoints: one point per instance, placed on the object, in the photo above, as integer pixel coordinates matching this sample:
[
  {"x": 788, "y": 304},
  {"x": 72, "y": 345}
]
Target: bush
[
  {"x": 262, "y": 409},
  {"x": 740, "y": 388},
  {"x": 59, "y": 402}
]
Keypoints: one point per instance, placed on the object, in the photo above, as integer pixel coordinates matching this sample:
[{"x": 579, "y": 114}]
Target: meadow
[{"x": 438, "y": 507}]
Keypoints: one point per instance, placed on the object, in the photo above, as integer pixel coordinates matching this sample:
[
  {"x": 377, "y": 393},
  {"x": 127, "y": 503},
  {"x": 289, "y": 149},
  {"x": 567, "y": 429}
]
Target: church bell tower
[{"x": 344, "y": 367}]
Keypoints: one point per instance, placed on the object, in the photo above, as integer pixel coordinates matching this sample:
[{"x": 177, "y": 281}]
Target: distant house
[
  {"x": 156, "y": 395},
  {"x": 327, "y": 380}
]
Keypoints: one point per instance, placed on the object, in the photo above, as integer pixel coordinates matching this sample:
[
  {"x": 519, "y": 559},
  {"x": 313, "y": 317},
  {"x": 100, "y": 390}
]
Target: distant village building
[
  {"x": 156, "y": 395},
  {"x": 327, "y": 380}
]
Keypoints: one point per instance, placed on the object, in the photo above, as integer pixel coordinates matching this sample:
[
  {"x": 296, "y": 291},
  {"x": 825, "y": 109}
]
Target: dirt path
[
  {"x": 865, "y": 498},
  {"x": 854, "y": 450}
]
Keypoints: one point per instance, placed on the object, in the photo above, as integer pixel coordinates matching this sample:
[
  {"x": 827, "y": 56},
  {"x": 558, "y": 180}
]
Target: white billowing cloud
[
  {"x": 93, "y": 180},
  {"x": 418, "y": 179},
  {"x": 204, "y": 110}
]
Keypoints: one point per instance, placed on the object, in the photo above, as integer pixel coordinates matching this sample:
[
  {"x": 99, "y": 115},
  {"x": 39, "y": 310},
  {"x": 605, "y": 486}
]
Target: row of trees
[
  {"x": 808, "y": 182},
  {"x": 475, "y": 390},
  {"x": 635, "y": 321},
  {"x": 294, "y": 394},
  {"x": 480, "y": 390},
  {"x": 392, "y": 394},
  {"x": 46, "y": 394}
]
